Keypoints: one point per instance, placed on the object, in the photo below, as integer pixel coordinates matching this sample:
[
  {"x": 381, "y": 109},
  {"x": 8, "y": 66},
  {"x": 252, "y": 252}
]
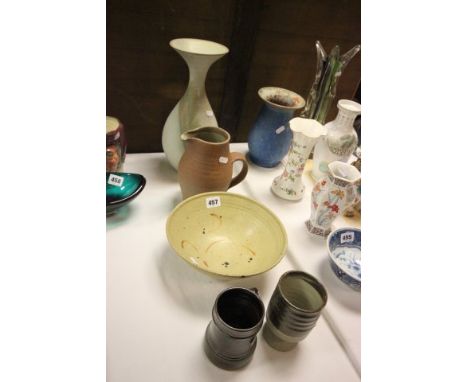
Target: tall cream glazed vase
[{"x": 193, "y": 110}]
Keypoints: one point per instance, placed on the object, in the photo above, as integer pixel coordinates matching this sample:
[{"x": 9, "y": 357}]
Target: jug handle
[
  {"x": 352, "y": 196},
  {"x": 243, "y": 173}
]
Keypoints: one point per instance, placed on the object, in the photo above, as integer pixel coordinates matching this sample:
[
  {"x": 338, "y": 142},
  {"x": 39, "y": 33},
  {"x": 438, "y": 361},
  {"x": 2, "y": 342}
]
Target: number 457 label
[
  {"x": 115, "y": 180},
  {"x": 347, "y": 237},
  {"x": 214, "y": 201}
]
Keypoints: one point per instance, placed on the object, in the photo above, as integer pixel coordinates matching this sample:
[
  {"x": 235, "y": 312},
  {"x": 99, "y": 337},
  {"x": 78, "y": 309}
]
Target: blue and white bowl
[{"x": 344, "y": 251}]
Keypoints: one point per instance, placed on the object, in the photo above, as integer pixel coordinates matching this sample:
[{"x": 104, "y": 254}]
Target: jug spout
[
  {"x": 343, "y": 173},
  {"x": 188, "y": 135},
  {"x": 209, "y": 134}
]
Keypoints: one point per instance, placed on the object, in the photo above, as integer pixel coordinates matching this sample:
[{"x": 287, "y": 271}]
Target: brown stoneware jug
[{"x": 207, "y": 164}]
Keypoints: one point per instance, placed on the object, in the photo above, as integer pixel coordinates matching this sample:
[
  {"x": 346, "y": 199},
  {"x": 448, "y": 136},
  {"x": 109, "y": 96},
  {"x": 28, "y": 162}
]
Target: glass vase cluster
[{"x": 329, "y": 69}]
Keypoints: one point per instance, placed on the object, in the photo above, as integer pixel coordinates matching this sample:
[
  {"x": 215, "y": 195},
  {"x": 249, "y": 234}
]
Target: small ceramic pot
[
  {"x": 116, "y": 144},
  {"x": 293, "y": 310},
  {"x": 270, "y": 137},
  {"x": 231, "y": 336}
]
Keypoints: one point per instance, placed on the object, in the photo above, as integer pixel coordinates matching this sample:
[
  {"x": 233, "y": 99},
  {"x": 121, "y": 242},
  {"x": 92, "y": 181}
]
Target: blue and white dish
[{"x": 344, "y": 251}]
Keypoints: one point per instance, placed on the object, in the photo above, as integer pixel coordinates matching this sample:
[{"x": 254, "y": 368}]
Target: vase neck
[
  {"x": 344, "y": 120},
  {"x": 347, "y": 113},
  {"x": 286, "y": 113},
  {"x": 198, "y": 66}
]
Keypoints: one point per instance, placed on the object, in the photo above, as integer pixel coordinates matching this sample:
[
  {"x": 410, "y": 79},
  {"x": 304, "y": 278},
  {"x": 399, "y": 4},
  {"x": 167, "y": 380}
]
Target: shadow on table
[
  {"x": 260, "y": 168},
  {"x": 279, "y": 363},
  {"x": 343, "y": 294},
  {"x": 119, "y": 217},
  {"x": 165, "y": 172},
  {"x": 194, "y": 289},
  {"x": 176, "y": 199}
]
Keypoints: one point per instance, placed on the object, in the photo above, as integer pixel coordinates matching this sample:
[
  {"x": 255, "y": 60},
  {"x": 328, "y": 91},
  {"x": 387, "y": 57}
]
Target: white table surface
[{"x": 158, "y": 306}]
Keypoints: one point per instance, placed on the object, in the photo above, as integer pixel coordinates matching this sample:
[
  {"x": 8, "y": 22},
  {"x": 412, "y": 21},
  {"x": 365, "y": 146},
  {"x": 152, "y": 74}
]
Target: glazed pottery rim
[
  {"x": 357, "y": 173},
  {"x": 222, "y": 48},
  {"x": 229, "y": 194},
  {"x": 267, "y": 89},
  {"x": 349, "y": 106},
  {"x": 227, "y": 140},
  {"x": 323, "y": 295},
  {"x": 244, "y": 289},
  {"x": 330, "y": 255},
  {"x": 308, "y": 131},
  {"x": 115, "y": 124},
  {"x": 140, "y": 188}
]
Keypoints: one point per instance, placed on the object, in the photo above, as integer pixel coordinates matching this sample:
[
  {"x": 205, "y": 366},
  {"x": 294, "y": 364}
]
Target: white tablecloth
[{"x": 158, "y": 306}]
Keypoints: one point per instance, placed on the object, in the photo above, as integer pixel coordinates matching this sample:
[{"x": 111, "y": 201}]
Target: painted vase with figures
[
  {"x": 331, "y": 195},
  {"x": 306, "y": 132},
  {"x": 341, "y": 139},
  {"x": 355, "y": 208}
]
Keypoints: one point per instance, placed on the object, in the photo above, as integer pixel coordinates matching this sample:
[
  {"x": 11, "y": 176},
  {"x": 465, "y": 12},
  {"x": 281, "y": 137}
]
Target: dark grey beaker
[
  {"x": 231, "y": 336},
  {"x": 293, "y": 310}
]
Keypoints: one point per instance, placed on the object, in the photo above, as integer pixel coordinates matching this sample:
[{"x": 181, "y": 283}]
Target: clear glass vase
[{"x": 328, "y": 71}]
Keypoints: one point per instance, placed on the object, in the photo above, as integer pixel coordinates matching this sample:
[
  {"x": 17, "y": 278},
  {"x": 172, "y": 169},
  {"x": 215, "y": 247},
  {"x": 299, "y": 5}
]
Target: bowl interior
[
  {"x": 344, "y": 248},
  {"x": 235, "y": 236}
]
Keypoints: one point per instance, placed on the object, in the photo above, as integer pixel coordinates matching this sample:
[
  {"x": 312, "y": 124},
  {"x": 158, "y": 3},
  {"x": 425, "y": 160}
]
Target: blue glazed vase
[{"x": 270, "y": 137}]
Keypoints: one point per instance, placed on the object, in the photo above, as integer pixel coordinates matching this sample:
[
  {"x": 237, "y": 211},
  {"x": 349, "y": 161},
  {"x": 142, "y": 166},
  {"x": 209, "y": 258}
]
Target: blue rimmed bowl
[
  {"x": 121, "y": 189},
  {"x": 344, "y": 251}
]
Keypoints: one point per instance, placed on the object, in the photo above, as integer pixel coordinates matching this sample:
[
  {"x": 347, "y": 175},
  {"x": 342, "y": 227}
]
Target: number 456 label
[
  {"x": 347, "y": 237},
  {"x": 115, "y": 180},
  {"x": 214, "y": 201}
]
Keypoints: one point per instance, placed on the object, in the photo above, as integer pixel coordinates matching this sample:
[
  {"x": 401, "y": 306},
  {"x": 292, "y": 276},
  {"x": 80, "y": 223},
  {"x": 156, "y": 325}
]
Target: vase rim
[
  {"x": 198, "y": 46},
  {"x": 349, "y": 106},
  {"x": 312, "y": 282},
  {"x": 344, "y": 171},
  {"x": 309, "y": 127},
  {"x": 112, "y": 124},
  {"x": 281, "y": 98}
]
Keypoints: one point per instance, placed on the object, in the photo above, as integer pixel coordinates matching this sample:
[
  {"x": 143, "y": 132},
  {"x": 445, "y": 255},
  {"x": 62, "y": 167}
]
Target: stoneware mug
[
  {"x": 293, "y": 310},
  {"x": 231, "y": 336}
]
